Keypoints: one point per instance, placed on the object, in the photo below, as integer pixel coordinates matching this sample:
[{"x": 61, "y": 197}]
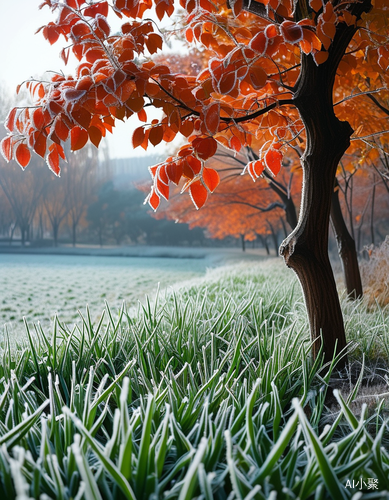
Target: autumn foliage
[{"x": 243, "y": 94}]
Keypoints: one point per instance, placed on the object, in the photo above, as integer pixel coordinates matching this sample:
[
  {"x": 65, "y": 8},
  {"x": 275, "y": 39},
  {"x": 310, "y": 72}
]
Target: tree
[
  {"x": 276, "y": 68},
  {"x": 240, "y": 208},
  {"x": 23, "y": 192}
]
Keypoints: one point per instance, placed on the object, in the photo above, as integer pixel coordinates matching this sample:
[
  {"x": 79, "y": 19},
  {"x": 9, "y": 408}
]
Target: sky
[{"x": 24, "y": 54}]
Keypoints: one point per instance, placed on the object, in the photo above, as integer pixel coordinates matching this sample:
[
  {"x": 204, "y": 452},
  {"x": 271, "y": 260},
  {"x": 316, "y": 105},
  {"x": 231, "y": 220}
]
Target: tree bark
[
  {"x": 74, "y": 229},
  {"x": 306, "y": 248},
  {"x": 346, "y": 248},
  {"x": 274, "y": 236},
  {"x": 243, "y": 242}
]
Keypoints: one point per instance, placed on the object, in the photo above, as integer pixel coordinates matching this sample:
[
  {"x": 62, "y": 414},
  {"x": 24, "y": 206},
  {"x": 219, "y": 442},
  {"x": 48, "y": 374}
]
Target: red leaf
[
  {"x": 204, "y": 147},
  {"x": 198, "y": 193},
  {"x": 255, "y": 169},
  {"x": 73, "y": 95},
  {"x": 53, "y": 162},
  {"x": 138, "y": 137},
  {"x": 80, "y": 29},
  {"x": 142, "y": 115},
  {"x": 227, "y": 83},
  {"x": 163, "y": 189},
  {"x": 258, "y": 77},
  {"x": 153, "y": 42},
  {"x": 95, "y": 135},
  {"x": 211, "y": 178},
  {"x": 259, "y": 43},
  {"x": 174, "y": 172},
  {"x": 38, "y": 119},
  {"x": 78, "y": 138},
  {"x": 51, "y": 33},
  {"x": 153, "y": 200},
  {"x": 235, "y": 143},
  {"x": 40, "y": 144},
  {"x": 291, "y": 32},
  {"x": 320, "y": 57},
  {"x": 194, "y": 163},
  {"x": 10, "y": 120},
  {"x": 212, "y": 118},
  {"x": 22, "y": 155},
  {"x": 97, "y": 8},
  {"x": 273, "y": 159},
  {"x": 6, "y": 148},
  {"x": 156, "y": 135},
  {"x": 82, "y": 117},
  {"x": 61, "y": 129},
  {"x": 102, "y": 26}
]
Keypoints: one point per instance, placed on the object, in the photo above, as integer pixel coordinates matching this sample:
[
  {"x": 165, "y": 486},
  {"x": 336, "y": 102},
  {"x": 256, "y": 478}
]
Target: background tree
[
  {"x": 277, "y": 65},
  {"x": 81, "y": 185}
]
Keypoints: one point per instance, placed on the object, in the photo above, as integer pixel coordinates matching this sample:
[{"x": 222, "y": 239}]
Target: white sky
[{"x": 24, "y": 54}]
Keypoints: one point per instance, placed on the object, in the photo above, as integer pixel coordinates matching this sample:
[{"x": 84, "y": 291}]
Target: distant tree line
[{"x": 82, "y": 206}]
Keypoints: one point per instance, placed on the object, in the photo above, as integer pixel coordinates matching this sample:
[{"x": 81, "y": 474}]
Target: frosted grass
[{"x": 39, "y": 286}]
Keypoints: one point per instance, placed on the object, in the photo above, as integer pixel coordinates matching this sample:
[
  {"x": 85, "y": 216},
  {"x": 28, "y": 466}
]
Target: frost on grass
[{"x": 37, "y": 287}]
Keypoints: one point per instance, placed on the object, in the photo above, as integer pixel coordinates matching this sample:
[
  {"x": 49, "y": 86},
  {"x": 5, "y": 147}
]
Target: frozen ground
[{"x": 37, "y": 286}]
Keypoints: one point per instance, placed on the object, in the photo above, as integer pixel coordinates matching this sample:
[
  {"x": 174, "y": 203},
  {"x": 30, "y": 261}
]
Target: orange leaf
[
  {"x": 194, "y": 164},
  {"x": 320, "y": 57},
  {"x": 61, "y": 129},
  {"x": 329, "y": 29},
  {"x": 162, "y": 189},
  {"x": 227, "y": 83},
  {"x": 291, "y": 31},
  {"x": 95, "y": 135},
  {"x": 138, "y": 137},
  {"x": 235, "y": 143},
  {"x": 142, "y": 115},
  {"x": 273, "y": 159},
  {"x": 82, "y": 117},
  {"x": 204, "y": 147},
  {"x": 10, "y": 120},
  {"x": 212, "y": 118},
  {"x": 153, "y": 42},
  {"x": 174, "y": 172},
  {"x": 316, "y": 5},
  {"x": 153, "y": 199},
  {"x": 38, "y": 118},
  {"x": 198, "y": 193},
  {"x": 53, "y": 162},
  {"x": 6, "y": 148},
  {"x": 51, "y": 33},
  {"x": 259, "y": 43},
  {"x": 211, "y": 178},
  {"x": 258, "y": 77},
  {"x": 78, "y": 138},
  {"x": 40, "y": 144},
  {"x": 156, "y": 135},
  {"x": 22, "y": 155}
]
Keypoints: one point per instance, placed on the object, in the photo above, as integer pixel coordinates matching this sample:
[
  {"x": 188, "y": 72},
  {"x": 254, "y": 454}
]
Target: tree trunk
[
  {"x": 74, "y": 228},
  {"x": 346, "y": 248},
  {"x": 23, "y": 235},
  {"x": 243, "y": 242},
  {"x": 274, "y": 236},
  {"x": 306, "y": 248},
  {"x": 55, "y": 234},
  {"x": 372, "y": 212}
]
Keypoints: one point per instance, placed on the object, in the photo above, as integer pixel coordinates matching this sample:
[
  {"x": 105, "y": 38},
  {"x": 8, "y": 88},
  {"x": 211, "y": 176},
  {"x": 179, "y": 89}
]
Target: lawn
[{"x": 206, "y": 392}]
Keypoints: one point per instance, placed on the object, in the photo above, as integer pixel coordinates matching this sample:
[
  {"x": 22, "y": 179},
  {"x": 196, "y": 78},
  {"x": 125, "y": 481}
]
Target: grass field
[
  {"x": 39, "y": 286},
  {"x": 205, "y": 393}
]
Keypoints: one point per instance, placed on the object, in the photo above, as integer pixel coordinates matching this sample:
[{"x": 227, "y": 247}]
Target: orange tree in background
[
  {"x": 239, "y": 208},
  {"x": 276, "y": 67}
]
